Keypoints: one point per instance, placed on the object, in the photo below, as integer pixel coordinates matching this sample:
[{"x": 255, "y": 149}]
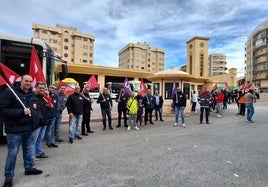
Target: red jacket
[{"x": 220, "y": 98}]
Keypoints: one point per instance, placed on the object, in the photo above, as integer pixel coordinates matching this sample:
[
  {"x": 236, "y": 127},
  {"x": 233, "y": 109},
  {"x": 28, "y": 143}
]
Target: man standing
[
  {"x": 44, "y": 106},
  {"x": 204, "y": 99},
  {"x": 149, "y": 104},
  {"x": 19, "y": 125},
  {"x": 75, "y": 106},
  {"x": 87, "y": 112},
  {"x": 158, "y": 105},
  {"x": 179, "y": 99},
  {"x": 106, "y": 105},
  {"x": 51, "y": 116},
  {"x": 250, "y": 98},
  {"x": 62, "y": 98},
  {"x": 121, "y": 99}
]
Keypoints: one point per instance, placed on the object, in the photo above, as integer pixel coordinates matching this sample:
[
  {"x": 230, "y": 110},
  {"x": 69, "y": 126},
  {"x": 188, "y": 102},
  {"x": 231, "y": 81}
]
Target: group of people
[
  {"x": 29, "y": 117},
  {"x": 32, "y": 117},
  {"x": 132, "y": 106},
  {"x": 217, "y": 101}
]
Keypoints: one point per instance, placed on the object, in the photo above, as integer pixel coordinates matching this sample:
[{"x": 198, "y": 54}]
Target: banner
[
  {"x": 92, "y": 83},
  {"x": 127, "y": 86},
  {"x": 143, "y": 90},
  {"x": 10, "y": 75},
  {"x": 36, "y": 71}
]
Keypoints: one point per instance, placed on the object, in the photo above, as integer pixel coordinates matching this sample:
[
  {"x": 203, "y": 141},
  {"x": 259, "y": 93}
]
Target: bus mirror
[{"x": 64, "y": 70}]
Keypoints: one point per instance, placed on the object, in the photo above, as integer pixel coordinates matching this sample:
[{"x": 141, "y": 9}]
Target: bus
[
  {"x": 114, "y": 87},
  {"x": 15, "y": 53}
]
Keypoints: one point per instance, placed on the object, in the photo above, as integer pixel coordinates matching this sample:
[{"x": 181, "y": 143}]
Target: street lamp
[{"x": 250, "y": 56}]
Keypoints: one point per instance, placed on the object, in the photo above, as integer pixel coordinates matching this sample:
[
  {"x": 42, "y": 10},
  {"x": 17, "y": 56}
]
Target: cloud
[{"x": 167, "y": 25}]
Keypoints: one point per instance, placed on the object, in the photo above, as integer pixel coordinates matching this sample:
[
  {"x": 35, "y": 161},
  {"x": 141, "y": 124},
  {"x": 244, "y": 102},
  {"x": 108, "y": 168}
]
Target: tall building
[
  {"x": 217, "y": 64},
  {"x": 67, "y": 42},
  {"x": 256, "y": 53},
  {"x": 141, "y": 56},
  {"x": 197, "y": 56}
]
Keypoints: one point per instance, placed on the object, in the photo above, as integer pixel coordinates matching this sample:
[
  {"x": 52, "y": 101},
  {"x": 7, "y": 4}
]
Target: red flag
[
  {"x": 92, "y": 83},
  {"x": 215, "y": 87},
  {"x": 69, "y": 90},
  {"x": 48, "y": 100},
  {"x": 36, "y": 71},
  {"x": 243, "y": 87},
  {"x": 250, "y": 86},
  {"x": 10, "y": 75},
  {"x": 142, "y": 88},
  {"x": 2, "y": 81}
]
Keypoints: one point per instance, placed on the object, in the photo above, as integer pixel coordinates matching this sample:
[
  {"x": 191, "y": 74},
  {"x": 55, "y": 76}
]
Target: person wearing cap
[
  {"x": 250, "y": 98},
  {"x": 121, "y": 99}
]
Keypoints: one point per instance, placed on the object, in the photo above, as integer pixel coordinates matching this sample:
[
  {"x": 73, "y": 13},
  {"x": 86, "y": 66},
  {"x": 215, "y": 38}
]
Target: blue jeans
[
  {"x": 14, "y": 141},
  {"x": 57, "y": 127},
  {"x": 250, "y": 111},
  {"x": 48, "y": 133},
  {"x": 38, "y": 144},
  {"x": 75, "y": 125},
  {"x": 179, "y": 109}
]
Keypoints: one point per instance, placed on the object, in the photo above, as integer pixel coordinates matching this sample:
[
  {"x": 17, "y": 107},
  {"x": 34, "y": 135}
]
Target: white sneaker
[
  {"x": 136, "y": 128},
  {"x": 128, "y": 128},
  {"x": 219, "y": 115},
  {"x": 183, "y": 125},
  {"x": 175, "y": 124}
]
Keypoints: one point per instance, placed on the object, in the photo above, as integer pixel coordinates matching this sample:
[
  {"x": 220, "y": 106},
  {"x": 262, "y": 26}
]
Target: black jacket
[
  {"x": 44, "y": 109},
  {"x": 87, "y": 103},
  {"x": 75, "y": 104},
  {"x": 13, "y": 112},
  {"x": 122, "y": 105},
  {"x": 179, "y": 99},
  {"x": 107, "y": 104}
]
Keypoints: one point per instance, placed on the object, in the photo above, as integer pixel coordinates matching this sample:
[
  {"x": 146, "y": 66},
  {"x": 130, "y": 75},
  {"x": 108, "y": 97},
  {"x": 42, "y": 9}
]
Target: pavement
[{"x": 227, "y": 152}]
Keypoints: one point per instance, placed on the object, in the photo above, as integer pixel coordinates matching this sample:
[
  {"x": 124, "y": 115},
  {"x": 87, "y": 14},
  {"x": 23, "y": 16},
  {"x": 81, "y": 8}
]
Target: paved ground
[{"x": 228, "y": 152}]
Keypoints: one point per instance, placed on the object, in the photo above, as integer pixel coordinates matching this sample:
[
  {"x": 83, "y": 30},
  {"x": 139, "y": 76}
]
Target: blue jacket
[{"x": 13, "y": 112}]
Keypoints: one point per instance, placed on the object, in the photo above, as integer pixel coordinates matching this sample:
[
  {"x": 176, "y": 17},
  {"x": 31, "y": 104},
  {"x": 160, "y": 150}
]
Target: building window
[
  {"x": 168, "y": 90},
  {"x": 201, "y": 64},
  {"x": 85, "y": 39},
  {"x": 90, "y": 54},
  {"x": 44, "y": 31},
  {"x": 66, "y": 39},
  {"x": 84, "y": 54},
  {"x": 85, "y": 47},
  {"x": 84, "y": 61},
  {"x": 65, "y": 55},
  {"x": 66, "y": 47}
]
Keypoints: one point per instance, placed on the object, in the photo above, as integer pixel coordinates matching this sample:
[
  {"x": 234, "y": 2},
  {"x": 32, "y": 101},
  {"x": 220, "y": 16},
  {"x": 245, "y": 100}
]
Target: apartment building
[
  {"x": 67, "y": 42},
  {"x": 141, "y": 56},
  {"x": 256, "y": 53},
  {"x": 217, "y": 64}
]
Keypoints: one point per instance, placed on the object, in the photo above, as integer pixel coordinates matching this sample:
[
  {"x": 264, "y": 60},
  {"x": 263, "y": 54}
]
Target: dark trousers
[
  {"x": 107, "y": 112},
  {"x": 193, "y": 106},
  {"x": 86, "y": 121},
  {"x": 242, "y": 109},
  {"x": 202, "y": 112},
  {"x": 124, "y": 111},
  {"x": 148, "y": 112},
  {"x": 158, "y": 110}
]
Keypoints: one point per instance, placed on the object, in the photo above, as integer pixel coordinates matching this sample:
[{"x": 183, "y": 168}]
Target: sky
[{"x": 165, "y": 24}]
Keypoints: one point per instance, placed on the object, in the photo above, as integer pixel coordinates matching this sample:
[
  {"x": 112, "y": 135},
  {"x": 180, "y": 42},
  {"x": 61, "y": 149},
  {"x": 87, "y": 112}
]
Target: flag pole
[{"x": 17, "y": 97}]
